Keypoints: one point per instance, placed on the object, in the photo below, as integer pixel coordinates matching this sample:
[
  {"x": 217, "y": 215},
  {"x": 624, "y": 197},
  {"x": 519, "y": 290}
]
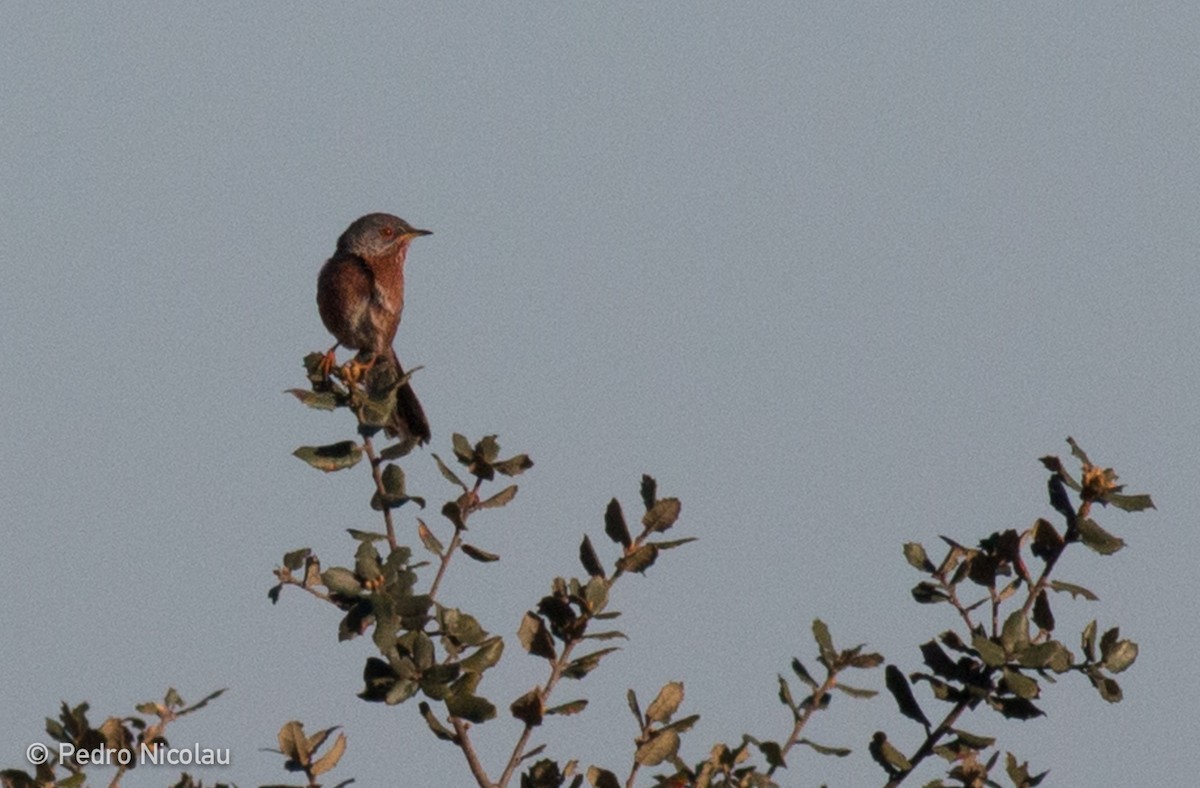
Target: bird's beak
[{"x": 414, "y": 232}]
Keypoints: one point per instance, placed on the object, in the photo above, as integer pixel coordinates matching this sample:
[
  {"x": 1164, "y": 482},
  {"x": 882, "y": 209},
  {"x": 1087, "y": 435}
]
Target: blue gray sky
[{"x": 836, "y": 274}]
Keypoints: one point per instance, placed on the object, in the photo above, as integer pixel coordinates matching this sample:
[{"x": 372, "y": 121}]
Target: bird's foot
[{"x": 356, "y": 369}]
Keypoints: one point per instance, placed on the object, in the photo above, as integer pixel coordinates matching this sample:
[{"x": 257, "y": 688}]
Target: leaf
[
  {"x": 428, "y": 539},
  {"x": 631, "y": 698},
  {"x": 295, "y": 559},
  {"x": 589, "y": 559},
  {"x": 514, "y": 466},
  {"x": 1020, "y": 685},
  {"x": 462, "y": 448},
  {"x": 320, "y": 400},
  {"x": 567, "y": 709},
  {"x": 1047, "y": 543},
  {"x": 578, "y": 668},
  {"x": 1059, "y": 498},
  {"x": 482, "y": 556},
  {"x": 659, "y": 747},
  {"x": 1097, "y": 538},
  {"x": 990, "y": 652},
  {"x": 824, "y": 642},
  {"x": 785, "y": 696},
  {"x": 1120, "y": 656},
  {"x": 840, "y": 752},
  {"x": 435, "y": 725},
  {"x": 529, "y": 708},
  {"x": 331, "y": 757},
  {"x": 399, "y": 449},
  {"x": 470, "y": 707},
  {"x": 649, "y": 491},
  {"x": 614, "y": 524},
  {"x": 342, "y": 581},
  {"x": 887, "y": 756},
  {"x": 800, "y": 671},
  {"x": 333, "y": 457},
  {"x": 448, "y": 474},
  {"x": 486, "y": 655},
  {"x": 662, "y": 515},
  {"x": 898, "y": 685},
  {"x": 500, "y": 498},
  {"x": 927, "y": 593},
  {"x": 1088, "y": 641},
  {"x": 666, "y": 703},
  {"x": 1014, "y": 635},
  {"x": 1129, "y": 503},
  {"x": 914, "y": 553},
  {"x": 639, "y": 560},
  {"x": 602, "y": 778},
  {"x": 1043, "y": 616},
  {"x": 1073, "y": 590},
  {"x": 534, "y": 637},
  {"x": 673, "y": 543},
  {"x": 855, "y": 692}
]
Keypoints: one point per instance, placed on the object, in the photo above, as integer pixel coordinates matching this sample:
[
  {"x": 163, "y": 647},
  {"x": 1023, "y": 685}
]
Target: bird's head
[{"x": 378, "y": 235}]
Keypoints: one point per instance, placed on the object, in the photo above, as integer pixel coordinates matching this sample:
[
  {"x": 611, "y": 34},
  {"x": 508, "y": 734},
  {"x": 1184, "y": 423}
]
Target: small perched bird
[{"x": 360, "y": 295}]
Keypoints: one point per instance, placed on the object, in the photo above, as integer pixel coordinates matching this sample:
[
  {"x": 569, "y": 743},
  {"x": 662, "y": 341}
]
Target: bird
[{"x": 360, "y": 296}]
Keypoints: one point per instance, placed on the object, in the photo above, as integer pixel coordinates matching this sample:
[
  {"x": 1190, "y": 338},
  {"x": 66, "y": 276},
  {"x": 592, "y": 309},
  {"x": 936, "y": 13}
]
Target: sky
[{"x": 836, "y": 274}]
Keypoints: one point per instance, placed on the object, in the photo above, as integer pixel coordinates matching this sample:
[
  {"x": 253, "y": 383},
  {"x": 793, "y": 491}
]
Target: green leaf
[
  {"x": 462, "y": 448},
  {"x": 1129, "y": 503},
  {"x": 840, "y": 752},
  {"x": 1051, "y": 654},
  {"x": 501, "y": 498},
  {"x": 1088, "y": 641},
  {"x": 486, "y": 655},
  {"x": 649, "y": 491},
  {"x": 824, "y": 642},
  {"x": 614, "y": 524},
  {"x": 578, "y": 668},
  {"x": 295, "y": 559},
  {"x": 1014, "y": 635},
  {"x": 666, "y": 703},
  {"x": 320, "y": 400},
  {"x": 773, "y": 753},
  {"x": 488, "y": 449},
  {"x": 567, "y": 709},
  {"x": 1097, "y": 538},
  {"x": 1120, "y": 656},
  {"x": 855, "y": 692},
  {"x": 529, "y": 708},
  {"x": 804, "y": 675},
  {"x": 399, "y": 449},
  {"x": 428, "y": 539},
  {"x": 887, "y": 756},
  {"x": 514, "y": 466},
  {"x": 482, "y": 556},
  {"x": 333, "y": 457},
  {"x": 1043, "y": 617},
  {"x": 898, "y": 685},
  {"x": 1020, "y": 685},
  {"x": 631, "y": 696},
  {"x": 341, "y": 581},
  {"x": 785, "y": 696},
  {"x": 673, "y": 543},
  {"x": 662, "y": 515},
  {"x": 471, "y": 708},
  {"x": 589, "y": 559},
  {"x": 435, "y": 725},
  {"x": 463, "y": 627},
  {"x": 927, "y": 593},
  {"x": 990, "y": 652},
  {"x": 1073, "y": 590},
  {"x": 535, "y": 637},
  {"x": 639, "y": 560},
  {"x": 448, "y": 474},
  {"x": 914, "y": 553}
]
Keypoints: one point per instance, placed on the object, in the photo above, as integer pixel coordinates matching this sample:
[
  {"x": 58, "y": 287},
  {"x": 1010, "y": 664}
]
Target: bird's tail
[{"x": 410, "y": 420}]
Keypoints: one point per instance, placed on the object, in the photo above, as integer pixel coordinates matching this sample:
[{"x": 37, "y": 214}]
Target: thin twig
[
  {"x": 377, "y": 474},
  {"x": 463, "y": 737},
  {"x": 556, "y": 672}
]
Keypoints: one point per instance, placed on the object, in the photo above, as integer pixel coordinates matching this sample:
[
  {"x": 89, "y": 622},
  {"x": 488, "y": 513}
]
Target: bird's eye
[{"x": 386, "y": 232}]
